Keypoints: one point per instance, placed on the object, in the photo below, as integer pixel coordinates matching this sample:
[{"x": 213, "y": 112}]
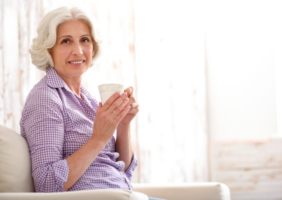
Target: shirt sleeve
[
  {"x": 131, "y": 168},
  {"x": 43, "y": 126}
]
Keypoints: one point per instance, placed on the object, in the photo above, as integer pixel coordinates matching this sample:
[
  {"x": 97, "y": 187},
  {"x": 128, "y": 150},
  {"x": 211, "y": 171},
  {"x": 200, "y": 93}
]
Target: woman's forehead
[{"x": 73, "y": 28}]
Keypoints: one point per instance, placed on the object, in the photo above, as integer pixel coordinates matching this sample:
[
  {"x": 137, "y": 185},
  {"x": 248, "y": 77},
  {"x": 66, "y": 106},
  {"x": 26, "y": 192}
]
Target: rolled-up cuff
[
  {"x": 61, "y": 170},
  {"x": 131, "y": 168}
]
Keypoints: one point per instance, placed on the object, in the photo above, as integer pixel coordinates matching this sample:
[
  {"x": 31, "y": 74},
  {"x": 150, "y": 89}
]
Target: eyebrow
[{"x": 69, "y": 36}]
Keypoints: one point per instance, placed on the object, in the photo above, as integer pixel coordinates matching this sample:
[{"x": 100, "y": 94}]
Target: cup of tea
[{"x": 107, "y": 90}]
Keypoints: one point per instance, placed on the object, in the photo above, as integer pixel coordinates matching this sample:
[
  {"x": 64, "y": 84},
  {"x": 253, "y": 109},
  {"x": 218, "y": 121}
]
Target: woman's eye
[
  {"x": 85, "y": 40},
  {"x": 65, "y": 41}
]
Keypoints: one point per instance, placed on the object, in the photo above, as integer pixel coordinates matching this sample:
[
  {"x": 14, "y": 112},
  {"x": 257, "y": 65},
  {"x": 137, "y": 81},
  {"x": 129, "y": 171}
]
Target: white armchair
[{"x": 16, "y": 181}]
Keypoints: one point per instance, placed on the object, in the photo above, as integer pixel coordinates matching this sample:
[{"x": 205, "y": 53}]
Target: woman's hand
[
  {"x": 134, "y": 107},
  {"x": 109, "y": 115}
]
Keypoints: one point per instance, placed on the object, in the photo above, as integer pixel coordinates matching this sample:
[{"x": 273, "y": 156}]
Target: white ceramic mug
[{"x": 107, "y": 90}]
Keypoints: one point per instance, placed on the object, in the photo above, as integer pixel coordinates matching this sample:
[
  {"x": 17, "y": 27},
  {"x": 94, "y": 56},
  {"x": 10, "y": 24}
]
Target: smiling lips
[{"x": 76, "y": 62}]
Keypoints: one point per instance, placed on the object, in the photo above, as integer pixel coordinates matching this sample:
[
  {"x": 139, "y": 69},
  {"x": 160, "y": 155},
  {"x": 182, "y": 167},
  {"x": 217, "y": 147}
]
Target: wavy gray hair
[{"x": 47, "y": 35}]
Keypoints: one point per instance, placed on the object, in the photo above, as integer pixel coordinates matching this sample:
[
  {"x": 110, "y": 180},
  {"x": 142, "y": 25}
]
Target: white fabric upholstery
[
  {"x": 15, "y": 165},
  {"x": 185, "y": 191},
  {"x": 78, "y": 195}
]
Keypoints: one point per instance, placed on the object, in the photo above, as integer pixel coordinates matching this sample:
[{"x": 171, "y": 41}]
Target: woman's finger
[
  {"x": 131, "y": 101},
  {"x": 100, "y": 108},
  {"x": 121, "y": 115},
  {"x": 120, "y": 108},
  {"x": 134, "y": 111},
  {"x": 134, "y": 105},
  {"x": 109, "y": 102},
  {"x": 117, "y": 102},
  {"x": 129, "y": 91}
]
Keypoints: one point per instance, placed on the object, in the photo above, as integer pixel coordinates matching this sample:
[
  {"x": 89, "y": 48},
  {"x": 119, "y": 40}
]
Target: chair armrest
[
  {"x": 77, "y": 195},
  {"x": 185, "y": 191}
]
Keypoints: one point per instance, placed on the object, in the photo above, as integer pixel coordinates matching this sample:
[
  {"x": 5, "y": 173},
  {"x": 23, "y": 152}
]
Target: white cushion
[
  {"x": 184, "y": 191},
  {"x": 110, "y": 194},
  {"x": 15, "y": 165}
]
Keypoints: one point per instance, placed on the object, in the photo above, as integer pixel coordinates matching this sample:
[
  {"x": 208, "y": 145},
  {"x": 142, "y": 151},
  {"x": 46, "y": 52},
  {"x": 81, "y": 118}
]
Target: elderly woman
[{"x": 70, "y": 134}]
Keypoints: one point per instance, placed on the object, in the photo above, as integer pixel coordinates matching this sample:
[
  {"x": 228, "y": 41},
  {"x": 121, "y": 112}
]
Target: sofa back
[{"x": 15, "y": 164}]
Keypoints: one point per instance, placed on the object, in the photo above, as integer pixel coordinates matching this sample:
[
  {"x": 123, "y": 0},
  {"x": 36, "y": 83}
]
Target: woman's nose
[{"x": 77, "y": 49}]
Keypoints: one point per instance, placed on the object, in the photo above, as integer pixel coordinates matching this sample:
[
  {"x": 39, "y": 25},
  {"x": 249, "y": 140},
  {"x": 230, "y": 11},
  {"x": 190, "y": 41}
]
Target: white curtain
[{"x": 155, "y": 46}]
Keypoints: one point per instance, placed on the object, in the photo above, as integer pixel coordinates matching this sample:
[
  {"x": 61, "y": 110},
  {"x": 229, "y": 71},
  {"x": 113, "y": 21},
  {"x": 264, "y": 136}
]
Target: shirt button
[
  {"x": 108, "y": 147},
  {"x": 121, "y": 172}
]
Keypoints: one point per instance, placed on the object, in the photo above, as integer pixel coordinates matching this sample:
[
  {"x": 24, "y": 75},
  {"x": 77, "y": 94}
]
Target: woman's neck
[
  {"x": 73, "y": 83},
  {"x": 74, "y": 86}
]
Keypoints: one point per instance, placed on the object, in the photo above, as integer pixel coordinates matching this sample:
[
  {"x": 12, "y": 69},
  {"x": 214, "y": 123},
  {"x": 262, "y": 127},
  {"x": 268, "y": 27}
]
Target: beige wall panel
[
  {"x": 249, "y": 175},
  {"x": 10, "y": 63},
  {"x": 1, "y": 64},
  {"x": 19, "y": 21},
  {"x": 251, "y": 169}
]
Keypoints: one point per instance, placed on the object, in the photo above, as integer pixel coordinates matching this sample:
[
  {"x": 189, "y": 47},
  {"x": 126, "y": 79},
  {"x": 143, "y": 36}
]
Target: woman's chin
[{"x": 75, "y": 73}]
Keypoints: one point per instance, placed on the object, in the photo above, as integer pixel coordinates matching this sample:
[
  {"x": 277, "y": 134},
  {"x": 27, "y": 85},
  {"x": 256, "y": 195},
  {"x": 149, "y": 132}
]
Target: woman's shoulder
[
  {"x": 42, "y": 105},
  {"x": 41, "y": 93}
]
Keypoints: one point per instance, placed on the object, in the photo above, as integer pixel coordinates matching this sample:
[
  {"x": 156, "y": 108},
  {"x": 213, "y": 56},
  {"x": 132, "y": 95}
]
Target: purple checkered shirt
[{"x": 56, "y": 123}]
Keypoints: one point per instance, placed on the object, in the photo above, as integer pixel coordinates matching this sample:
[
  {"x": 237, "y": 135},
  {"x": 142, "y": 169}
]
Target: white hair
[{"x": 47, "y": 34}]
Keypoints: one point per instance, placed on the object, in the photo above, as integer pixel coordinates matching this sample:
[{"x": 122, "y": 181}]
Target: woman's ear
[{"x": 50, "y": 51}]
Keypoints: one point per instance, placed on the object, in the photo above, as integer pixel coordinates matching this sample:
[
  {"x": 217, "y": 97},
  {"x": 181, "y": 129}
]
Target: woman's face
[{"x": 72, "y": 53}]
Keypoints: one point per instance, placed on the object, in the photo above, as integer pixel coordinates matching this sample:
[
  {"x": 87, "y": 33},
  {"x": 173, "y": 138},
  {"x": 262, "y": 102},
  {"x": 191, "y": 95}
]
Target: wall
[
  {"x": 240, "y": 47},
  {"x": 251, "y": 169},
  {"x": 243, "y": 42}
]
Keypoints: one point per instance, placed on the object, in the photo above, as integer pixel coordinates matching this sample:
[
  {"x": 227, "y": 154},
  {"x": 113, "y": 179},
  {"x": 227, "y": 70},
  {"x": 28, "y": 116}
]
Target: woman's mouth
[{"x": 77, "y": 62}]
